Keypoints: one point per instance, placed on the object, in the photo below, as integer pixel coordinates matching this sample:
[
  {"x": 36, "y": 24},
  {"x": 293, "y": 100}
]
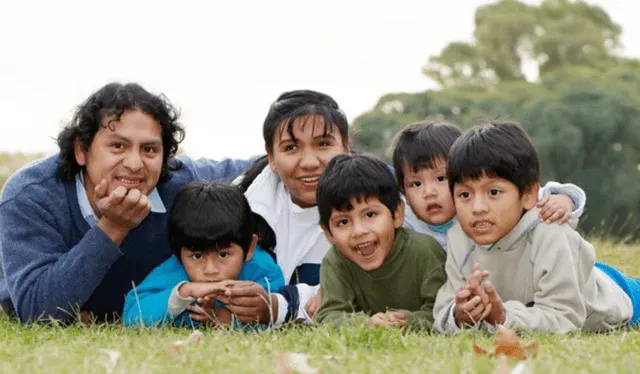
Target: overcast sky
[{"x": 223, "y": 63}]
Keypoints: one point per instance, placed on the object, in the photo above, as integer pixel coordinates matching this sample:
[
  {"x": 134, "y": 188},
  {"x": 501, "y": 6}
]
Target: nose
[
  {"x": 429, "y": 190},
  {"x": 359, "y": 228},
  {"x": 479, "y": 205},
  {"x": 133, "y": 161},
  {"x": 309, "y": 159},
  {"x": 210, "y": 267}
]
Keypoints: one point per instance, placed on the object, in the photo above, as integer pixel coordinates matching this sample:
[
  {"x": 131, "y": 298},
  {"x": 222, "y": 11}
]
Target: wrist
[
  {"x": 185, "y": 290},
  {"x": 114, "y": 231}
]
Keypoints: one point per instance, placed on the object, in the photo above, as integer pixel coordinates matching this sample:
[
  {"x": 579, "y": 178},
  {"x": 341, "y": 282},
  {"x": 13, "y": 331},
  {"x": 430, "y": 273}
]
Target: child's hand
[
  {"x": 388, "y": 319},
  {"x": 555, "y": 208},
  {"x": 312, "y": 305},
  {"x": 471, "y": 304},
  {"x": 497, "y": 314},
  {"x": 199, "y": 290},
  {"x": 214, "y": 316}
]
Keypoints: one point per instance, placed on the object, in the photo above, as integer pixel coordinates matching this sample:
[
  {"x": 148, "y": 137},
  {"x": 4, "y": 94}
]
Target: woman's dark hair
[
  {"x": 301, "y": 103},
  {"x": 111, "y": 101}
]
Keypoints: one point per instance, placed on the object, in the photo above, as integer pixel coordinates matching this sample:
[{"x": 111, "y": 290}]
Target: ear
[
  {"x": 252, "y": 247},
  {"x": 272, "y": 163},
  {"x": 530, "y": 196},
  {"x": 398, "y": 217},
  {"x": 347, "y": 147},
  {"x": 328, "y": 234},
  {"x": 79, "y": 153}
]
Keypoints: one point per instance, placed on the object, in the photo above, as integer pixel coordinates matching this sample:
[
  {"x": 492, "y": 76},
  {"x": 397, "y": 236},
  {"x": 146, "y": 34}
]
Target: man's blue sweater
[{"x": 55, "y": 264}]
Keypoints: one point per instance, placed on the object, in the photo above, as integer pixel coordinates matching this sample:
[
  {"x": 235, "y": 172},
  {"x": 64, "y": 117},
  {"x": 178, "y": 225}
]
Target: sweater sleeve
[
  {"x": 434, "y": 278},
  {"x": 560, "y": 271},
  {"x": 576, "y": 194},
  {"x": 445, "y": 300},
  {"x": 45, "y": 277},
  {"x": 147, "y": 304},
  {"x": 214, "y": 170},
  {"x": 338, "y": 299}
]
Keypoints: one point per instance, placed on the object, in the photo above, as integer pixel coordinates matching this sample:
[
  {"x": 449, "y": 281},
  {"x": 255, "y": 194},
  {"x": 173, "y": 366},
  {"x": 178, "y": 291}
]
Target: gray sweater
[{"x": 545, "y": 276}]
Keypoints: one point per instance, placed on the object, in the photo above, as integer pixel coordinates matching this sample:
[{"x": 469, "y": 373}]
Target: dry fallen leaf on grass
[
  {"x": 503, "y": 367},
  {"x": 174, "y": 349},
  {"x": 507, "y": 343},
  {"x": 289, "y": 363},
  {"x": 114, "y": 356}
]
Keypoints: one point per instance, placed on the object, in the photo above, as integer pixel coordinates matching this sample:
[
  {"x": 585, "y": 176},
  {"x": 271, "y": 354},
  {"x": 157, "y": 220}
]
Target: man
[{"x": 80, "y": 228}]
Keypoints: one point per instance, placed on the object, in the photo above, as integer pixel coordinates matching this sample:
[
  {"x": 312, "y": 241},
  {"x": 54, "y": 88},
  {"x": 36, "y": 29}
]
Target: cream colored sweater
[{"x": 545, "y": 276}]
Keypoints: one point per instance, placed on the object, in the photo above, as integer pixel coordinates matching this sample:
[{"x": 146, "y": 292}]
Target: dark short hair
[
  {"x": 208, "y": 216},
  {"x": 420, "y": 144},
  {"x": 112, "y": 100},
  {"x": 301, "y": 103},
  {"x": 349, "y": 177},
  {"x": 498, "y": 149}
]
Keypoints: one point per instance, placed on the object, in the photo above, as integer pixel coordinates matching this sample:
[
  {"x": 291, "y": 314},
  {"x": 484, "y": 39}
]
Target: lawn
[{"x": 76, "y": 349}]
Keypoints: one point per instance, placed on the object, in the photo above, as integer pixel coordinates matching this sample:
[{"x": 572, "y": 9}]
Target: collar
[
  {"x": 527, "y": 222},
  {"x": 157, "y": 206},
  {"x": 442, "y": 229}
]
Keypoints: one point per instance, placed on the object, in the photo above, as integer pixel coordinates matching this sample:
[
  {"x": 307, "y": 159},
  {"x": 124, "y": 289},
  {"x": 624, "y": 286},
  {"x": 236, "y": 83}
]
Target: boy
[
  {"x": 376, "y": 271},
  {"x": 545, "y": 273},
  {"x": 420, "y": 155},
  {"x": 211, "y": 231}
]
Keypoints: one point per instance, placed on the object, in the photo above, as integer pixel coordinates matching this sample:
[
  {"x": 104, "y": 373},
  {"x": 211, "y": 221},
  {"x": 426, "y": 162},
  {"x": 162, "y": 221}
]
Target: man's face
[{"x": 125, "y": 153}]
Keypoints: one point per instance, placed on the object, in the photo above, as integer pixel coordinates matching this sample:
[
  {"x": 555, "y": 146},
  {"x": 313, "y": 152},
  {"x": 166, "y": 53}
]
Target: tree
[{"x": 510, "y": 35}]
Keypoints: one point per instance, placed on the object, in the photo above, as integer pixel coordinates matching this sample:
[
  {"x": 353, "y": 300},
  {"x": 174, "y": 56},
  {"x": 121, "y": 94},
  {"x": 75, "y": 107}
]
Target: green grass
[{"x": 40, "y": 349}]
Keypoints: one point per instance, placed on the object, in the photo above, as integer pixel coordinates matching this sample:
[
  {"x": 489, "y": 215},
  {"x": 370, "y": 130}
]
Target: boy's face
[
  {"x": 299, "y": 161},
  {"x": 489, "y": 208},
  {"x": 365, "y": 234},
  {"x": 428, "y": 194},
  {"x": 215, "y": 265}
]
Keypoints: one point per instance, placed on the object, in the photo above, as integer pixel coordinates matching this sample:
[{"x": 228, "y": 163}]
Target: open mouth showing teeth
[
  {"x": 365, "y": 249},
  {"x": 309, "y": 179},
  {"x": 482, "y": 226},
  {"x": 130, "y": 182}
]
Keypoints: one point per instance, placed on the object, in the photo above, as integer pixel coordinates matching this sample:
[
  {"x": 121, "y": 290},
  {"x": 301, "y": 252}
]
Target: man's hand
[
  {"x": 497, "y": 315},
  {"x": 312, "y": 305},
  {"x": 120, "y": 211},
  {"x": 555, "y": 208},
  {"x": 250, "y": 303},
  {"x": 388, "y": 319}
]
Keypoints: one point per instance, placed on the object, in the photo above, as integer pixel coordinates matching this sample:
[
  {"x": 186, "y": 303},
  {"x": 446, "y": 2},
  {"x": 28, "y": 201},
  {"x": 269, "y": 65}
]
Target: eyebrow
[
  {"x": 323, "y": 136},
  {"x": 127, "y": 140}
]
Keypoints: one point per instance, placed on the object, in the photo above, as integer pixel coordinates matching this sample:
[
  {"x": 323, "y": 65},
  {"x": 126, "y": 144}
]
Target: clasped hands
[{"x": 476, "y": 302}]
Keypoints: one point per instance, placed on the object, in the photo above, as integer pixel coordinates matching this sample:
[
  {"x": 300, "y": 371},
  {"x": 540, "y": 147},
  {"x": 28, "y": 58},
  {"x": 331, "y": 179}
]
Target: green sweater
[{"x": 408, "y": 281}]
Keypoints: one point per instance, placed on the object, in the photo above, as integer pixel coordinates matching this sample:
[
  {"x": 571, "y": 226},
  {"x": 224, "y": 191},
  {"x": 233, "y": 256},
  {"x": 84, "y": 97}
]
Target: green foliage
[
  {"x": 583, "y": 113},
  {"x": 510, "y": 34}
]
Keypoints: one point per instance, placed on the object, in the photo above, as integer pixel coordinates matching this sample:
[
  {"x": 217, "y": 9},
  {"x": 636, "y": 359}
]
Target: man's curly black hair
[{"x": 113, "y": 100}]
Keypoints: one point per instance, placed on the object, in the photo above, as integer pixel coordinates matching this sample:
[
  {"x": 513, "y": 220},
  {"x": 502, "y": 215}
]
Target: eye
[
  {"x": 341, "y": 222},
  {"x": 324, "y": 143},
  {"x": 196, "y": 256},
  {"x": 494, "y": 192},
  {"x": 441, "y": 178},
  {"x": 224, "y": 254},
  {"x": 150, "y": 149},
  {"x": 370, "y": 214},
  {"x": 289, "y": 147},
  {"x": 464, "y": 195},
  {"x": 118, "y": 145},
  {"x": 415, "y": 184}
]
